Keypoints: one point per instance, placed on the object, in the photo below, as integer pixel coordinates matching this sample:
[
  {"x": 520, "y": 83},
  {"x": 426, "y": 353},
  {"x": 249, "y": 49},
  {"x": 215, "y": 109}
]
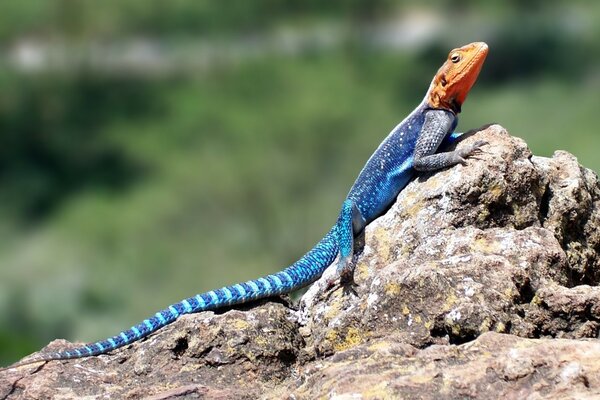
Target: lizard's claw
[
  {"x": 471, "y": 151},
  {"x": 344, "y": 275},
  {"x": 479, "y": 144},
  {"x": 345, "y": 282}
]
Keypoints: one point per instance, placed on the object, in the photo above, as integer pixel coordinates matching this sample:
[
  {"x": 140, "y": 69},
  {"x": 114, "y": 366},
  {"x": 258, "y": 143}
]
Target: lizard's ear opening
[{"x": 455, "y": 105}]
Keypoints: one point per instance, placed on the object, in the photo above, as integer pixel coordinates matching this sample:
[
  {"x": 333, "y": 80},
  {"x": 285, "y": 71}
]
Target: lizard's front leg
[{"x": 437, "y": 126}]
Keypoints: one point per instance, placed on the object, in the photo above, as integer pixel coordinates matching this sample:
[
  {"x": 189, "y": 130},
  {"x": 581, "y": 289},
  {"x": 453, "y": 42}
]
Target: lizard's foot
[
  {"x": 344, "y": 275},
  {"x": 348, "y": 286},
  {"x": 471, "y": 151}
]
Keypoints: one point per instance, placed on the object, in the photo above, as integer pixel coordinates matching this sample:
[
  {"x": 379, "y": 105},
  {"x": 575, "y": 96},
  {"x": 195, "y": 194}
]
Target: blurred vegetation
[{"x": 223, "y": 150}]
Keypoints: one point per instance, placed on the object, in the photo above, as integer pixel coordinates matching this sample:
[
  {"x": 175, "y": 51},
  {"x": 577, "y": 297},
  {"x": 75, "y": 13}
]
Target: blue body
[
  {"x": 390, "y": 168},
  {"x": 385, "y": 174}
]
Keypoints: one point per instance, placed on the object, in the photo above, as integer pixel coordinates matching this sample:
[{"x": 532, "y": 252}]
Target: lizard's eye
[{"x": 455, "y": 57}]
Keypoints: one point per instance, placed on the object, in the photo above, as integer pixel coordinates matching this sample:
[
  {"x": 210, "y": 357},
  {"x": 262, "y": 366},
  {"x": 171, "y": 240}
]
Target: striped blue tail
[{"x": 303, "y": 272}]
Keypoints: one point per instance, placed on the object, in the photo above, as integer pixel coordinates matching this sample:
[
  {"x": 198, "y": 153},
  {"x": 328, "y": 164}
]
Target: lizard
[{"x": 411, "y": 147}]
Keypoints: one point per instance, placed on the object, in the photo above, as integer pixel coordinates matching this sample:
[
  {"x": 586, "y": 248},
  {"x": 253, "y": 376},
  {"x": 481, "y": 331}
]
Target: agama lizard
[{"x": 410, "y": 147}]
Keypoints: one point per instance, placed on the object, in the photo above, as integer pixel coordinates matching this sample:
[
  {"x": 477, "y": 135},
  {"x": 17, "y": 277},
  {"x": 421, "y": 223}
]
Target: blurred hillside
[{"x": 153, "y": 150}]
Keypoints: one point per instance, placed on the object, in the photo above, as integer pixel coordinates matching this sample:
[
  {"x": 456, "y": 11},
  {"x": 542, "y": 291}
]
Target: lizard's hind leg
[{"x": 349, "y": 224}]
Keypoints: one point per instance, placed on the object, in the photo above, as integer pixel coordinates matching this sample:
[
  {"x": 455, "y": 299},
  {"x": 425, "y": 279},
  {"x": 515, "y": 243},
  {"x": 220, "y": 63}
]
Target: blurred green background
[{"x": 151, "y": 150}]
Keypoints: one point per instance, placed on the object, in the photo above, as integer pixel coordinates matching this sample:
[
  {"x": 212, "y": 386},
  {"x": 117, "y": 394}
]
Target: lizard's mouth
[
  {"x": 478, "y": 57},
  {"x": 468, "y": 74}
]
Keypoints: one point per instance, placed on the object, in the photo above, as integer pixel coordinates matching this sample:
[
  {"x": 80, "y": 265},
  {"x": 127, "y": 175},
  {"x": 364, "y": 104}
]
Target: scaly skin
[{"x": 410, "y": 147}]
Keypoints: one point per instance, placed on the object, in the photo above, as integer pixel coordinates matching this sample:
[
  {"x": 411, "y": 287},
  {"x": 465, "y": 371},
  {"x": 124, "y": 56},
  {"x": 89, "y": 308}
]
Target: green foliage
[
  {"x": 53, "y": 142},
  {"x": 176, "y": 18}
]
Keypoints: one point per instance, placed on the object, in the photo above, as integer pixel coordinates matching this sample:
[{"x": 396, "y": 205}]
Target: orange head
[{"x": 455, "y": 78}]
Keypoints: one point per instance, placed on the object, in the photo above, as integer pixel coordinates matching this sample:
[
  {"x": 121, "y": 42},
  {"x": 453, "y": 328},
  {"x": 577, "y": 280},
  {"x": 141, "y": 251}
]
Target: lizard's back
[{"x": 389, "y": 169}]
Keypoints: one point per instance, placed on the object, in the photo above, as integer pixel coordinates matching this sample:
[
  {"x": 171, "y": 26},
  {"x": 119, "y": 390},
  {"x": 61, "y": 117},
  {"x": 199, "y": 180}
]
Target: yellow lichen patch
[
  {"x": 378, "y": 391},
  {"x": 417, "y": 319},
  {"x": 241, "y": 324},
  {"x": 334, "y": 308},
  {"x": 482, "y": 245},
  {"x": 421, "y": 378},
  {"x": 455, "y": 329},
  {"x": 230, "y": 348},
  {"x": 495, "y": 191},
  {"x": 405, "y": 310},
  {"x": 351, "y": 338},
  {"x": 382, "y": 346},
  {"x": 521, "y": 217},
  {"x": 383, "y": 243},
  {"x": 500, "y": 327},
  {"x": 483, "y": 215},
  {"x": 407, "y": 199},
  {"x": 411, "y": 204},
  {"x": 428, "y": 325},
  {"x": 361, "y": 271},
  {"x": 332, "y": 336},
  {"x": 261, "y": 341},
  {"x": 450, "y": 302},
  {"x": 433, "y": 182},
  {"x": 392, "y": 289},
  {"x": 252, "y": 357},
  {"x": 485, "y": 325}
]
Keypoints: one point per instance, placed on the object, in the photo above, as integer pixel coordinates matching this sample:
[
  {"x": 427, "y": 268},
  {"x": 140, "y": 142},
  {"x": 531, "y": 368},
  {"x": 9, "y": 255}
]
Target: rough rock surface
[{"x": 479, "y": 282}]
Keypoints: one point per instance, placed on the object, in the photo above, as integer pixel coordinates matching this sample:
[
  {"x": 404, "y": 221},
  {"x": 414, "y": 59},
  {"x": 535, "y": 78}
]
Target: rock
[
  {"x": 464, "y": 251},
  {"x": 493, "y": 366},
  {"x": 238, "y": 354},
  {"x": 479, "y": 282}
]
